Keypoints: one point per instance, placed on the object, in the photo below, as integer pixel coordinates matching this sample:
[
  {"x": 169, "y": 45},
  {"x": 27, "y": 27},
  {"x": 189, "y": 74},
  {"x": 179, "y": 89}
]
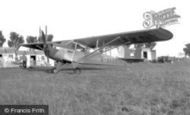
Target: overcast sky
[{"x": 69, "y": 19}]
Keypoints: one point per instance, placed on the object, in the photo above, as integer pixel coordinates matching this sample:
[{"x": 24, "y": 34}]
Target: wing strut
[
  {"x": 74, "y": 63},
  {"x": 97, "y": 43},
  {"x": 74, "y": 52},
  {"x": 107, "y": 44}
]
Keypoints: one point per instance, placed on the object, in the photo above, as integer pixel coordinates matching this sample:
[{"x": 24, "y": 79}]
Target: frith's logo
[{"x": 161, "y": 18}]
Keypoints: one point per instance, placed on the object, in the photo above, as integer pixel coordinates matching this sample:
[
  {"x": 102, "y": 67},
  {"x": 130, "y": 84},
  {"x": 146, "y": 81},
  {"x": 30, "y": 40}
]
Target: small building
[
  {"x": 147, "y": 54},
  {"x": 130, "y": 52},
  {"x": 9, "y": 57},
  {"x": 36, "y": 58}
]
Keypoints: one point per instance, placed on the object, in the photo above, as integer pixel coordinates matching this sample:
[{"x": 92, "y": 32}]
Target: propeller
[{"x": 44, "y": 38}]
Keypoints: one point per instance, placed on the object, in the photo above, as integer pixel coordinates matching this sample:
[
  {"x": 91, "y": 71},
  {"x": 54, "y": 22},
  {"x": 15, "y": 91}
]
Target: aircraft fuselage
[
  {"x": 66, "y": 55},
  {"x": 63, "y": 54}
]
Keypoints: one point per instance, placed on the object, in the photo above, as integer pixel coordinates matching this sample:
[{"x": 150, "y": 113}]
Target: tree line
[{"x": 16, "y": 39}]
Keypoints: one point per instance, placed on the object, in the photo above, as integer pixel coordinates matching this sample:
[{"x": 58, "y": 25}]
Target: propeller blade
[{"x": 43, "y": 38}]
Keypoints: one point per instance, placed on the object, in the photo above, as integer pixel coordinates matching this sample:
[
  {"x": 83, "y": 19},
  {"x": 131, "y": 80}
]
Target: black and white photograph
[{"x": 94, "y": 57}]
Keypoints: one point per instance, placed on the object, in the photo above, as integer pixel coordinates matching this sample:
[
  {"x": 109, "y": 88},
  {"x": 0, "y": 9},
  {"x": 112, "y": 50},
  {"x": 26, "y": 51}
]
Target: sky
[{"x": 70, "y": 19}]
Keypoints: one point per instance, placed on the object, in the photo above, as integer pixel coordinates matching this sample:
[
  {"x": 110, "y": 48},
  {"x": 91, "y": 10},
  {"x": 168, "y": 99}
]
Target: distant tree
[
  {"x": 49, "y": 38},
  {"x": 15, "y": 40},
  {"x": 31, "y": 39},
  {"x": 187, "y": 49},
  {"x": 150, "y": 45},
  {"x": 147, "y": 45},
  {"x": 2, "y": 39},
  {"x": 140, "y": 45}
]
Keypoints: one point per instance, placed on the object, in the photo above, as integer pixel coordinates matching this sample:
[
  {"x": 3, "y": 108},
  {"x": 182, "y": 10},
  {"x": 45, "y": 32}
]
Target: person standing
[{"x": 24, "y": 61}]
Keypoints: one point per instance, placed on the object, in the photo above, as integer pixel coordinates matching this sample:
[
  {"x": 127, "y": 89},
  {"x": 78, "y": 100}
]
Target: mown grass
[{"x": 136, "y": 89}]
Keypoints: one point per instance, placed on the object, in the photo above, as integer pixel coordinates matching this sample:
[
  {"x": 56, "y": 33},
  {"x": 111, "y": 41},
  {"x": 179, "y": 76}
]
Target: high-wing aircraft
[{"x": 77, "y": 51}]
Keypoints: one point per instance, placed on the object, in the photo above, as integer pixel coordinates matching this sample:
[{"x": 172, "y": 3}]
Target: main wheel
[
  {"x": 55, "y": 71},
  {"x": 77, "y": 70}
]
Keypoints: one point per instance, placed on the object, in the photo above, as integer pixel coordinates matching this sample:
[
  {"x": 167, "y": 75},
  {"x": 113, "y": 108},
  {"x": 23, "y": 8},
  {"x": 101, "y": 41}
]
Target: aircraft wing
[
  {"x": 134, "y": 37},
  {"x": 117, "y": 39},
  {"x": 40, "y": 45}
]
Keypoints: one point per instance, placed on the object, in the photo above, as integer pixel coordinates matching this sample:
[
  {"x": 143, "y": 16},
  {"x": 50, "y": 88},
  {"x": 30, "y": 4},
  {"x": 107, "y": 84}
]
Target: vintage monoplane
[{"x": 91, "y": 50}]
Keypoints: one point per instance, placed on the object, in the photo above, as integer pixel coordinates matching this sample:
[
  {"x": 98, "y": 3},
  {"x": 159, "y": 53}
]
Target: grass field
[{"x": 136, "y": 89}]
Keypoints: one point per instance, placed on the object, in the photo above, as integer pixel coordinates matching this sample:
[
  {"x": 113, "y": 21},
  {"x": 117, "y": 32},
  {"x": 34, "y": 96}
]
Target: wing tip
[{"x": 166, "y": 34}]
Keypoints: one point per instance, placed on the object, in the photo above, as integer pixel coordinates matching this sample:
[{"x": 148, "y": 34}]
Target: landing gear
[
  {"x": 54, "y": 71},
  {"x": 76, "y": 69},
  {"x": 58, "y": 67}
]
